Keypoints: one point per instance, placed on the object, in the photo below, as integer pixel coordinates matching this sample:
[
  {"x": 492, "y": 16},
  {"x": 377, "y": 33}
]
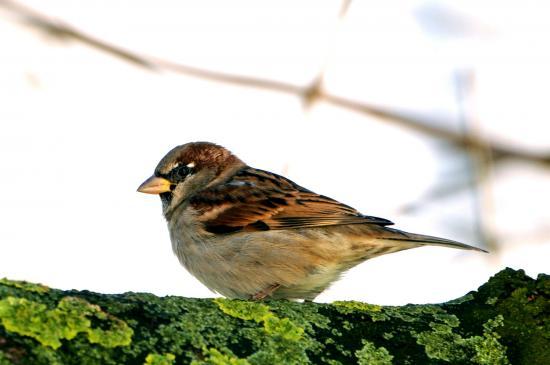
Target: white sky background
[{"x": 80, "y": 130}]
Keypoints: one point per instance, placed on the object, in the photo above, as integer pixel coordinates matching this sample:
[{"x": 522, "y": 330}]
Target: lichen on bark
[{"x": 506, "y": 321}]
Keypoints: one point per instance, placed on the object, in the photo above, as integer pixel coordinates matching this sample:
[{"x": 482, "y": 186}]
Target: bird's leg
[{"x": 262, "y": 294}]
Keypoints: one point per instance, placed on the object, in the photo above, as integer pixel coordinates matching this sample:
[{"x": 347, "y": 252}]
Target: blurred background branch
[
  {"x": 308, "y": 93},
  {"x": 428, "y": 113}
]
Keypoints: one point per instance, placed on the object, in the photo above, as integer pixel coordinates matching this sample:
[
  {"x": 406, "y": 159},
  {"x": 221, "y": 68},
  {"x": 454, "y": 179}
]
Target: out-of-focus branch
[
  {"x": 62, "y": 30},
  {"x": 344, "y": 8},
  {"x": 309, "y": 93},
  {"x": 315, "y": 89},
  {"x": 480, "y": 160},
  {"x": 499, "y": 151},
  {"x": 441, "y": 191}
]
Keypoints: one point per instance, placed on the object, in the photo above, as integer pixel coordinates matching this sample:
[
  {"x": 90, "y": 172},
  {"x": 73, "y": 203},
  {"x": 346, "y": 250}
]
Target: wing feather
[{"x": 257, "y": 200}]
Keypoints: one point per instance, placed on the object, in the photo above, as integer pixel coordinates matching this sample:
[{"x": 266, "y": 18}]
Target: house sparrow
[{"x": 250, "y": 234}]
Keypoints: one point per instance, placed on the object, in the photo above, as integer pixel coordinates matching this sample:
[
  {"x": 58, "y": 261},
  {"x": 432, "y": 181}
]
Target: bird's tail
[{"x": 392, "y": 234}]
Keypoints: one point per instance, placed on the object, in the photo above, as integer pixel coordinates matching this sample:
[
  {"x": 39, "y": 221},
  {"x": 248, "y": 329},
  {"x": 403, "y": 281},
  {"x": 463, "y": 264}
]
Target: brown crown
[{"x": 201, "y": 154}]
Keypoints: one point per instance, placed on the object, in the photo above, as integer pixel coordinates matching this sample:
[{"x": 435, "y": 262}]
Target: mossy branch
[{"x": 507, "y": 321}]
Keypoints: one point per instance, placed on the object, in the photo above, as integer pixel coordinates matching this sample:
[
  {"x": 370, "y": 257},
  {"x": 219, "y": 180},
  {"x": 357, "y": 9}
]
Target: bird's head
[{"x": 188, "y": 169}]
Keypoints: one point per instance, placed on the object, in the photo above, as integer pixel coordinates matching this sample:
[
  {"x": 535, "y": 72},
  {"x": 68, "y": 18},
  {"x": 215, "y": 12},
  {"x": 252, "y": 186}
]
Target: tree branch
[
  {"x": 505, "y": 322},
  {"x": 308, "y": 93}
]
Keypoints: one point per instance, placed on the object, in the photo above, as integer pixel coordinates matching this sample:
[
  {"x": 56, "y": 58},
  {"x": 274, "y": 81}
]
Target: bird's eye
[{"x": 179, "y": 173}]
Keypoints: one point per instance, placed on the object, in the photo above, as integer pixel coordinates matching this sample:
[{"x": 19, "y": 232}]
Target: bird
[{"x": 247, "y": 233}]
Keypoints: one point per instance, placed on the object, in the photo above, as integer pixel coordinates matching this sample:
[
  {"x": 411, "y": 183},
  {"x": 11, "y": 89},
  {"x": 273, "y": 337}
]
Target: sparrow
[{"x": 247, "y": 233}]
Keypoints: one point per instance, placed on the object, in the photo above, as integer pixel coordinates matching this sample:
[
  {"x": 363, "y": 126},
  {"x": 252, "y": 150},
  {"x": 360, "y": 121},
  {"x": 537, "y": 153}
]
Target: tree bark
[{"x": 506, "y": 321}]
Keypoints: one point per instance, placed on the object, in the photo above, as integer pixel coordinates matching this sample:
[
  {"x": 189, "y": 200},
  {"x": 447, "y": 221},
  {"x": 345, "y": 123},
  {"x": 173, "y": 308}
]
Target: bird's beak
[{"x": 154, "y": 185}]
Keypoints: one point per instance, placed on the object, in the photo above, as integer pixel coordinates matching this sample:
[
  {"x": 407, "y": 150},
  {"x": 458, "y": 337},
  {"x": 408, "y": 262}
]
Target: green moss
[
  {"x": 183, "y": 327},
  {"x": 524, "y": 304},
  {"x": 157, "y": 359},
  {"x": 374, "y": 311},
  {"x": 284, "y": 328},
  {"x": 281, "y": 341},
  {"x": 488, "y": 349},
  {"x": 305, "y": 315},
  {"x": 4, "y": 359},
  {"x": 371, "y": 355},
  {"x": 246, "y": 310},
  {"x": 525, "y": 307},
  {"x": 37, "y": 288},
  {"x": 214, "y": 357},
  {"x": 205, "y": 331},
  {"x": 462, "y": 299},
  {"x": 442, "y": 343},
  {"x": 351, "y": 306},
  {"x": 45, "y": 355},
  {"x": 260, "y": 313},
  {"x": 72, "y": 316},
  {"x": 414, "y": 313}
]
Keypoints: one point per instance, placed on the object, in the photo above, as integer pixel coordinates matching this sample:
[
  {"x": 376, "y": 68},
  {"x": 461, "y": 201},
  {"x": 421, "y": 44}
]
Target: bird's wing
[{"x": 256, "y": 200}]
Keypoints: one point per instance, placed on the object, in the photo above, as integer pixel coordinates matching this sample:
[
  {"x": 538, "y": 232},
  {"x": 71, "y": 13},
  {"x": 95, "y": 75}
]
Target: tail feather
[{"x": 420, "y": 239}]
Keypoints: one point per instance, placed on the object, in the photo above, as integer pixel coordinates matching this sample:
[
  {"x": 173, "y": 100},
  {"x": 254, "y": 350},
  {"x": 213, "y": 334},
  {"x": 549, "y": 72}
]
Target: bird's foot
[{"x": 262, "y": 294}]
